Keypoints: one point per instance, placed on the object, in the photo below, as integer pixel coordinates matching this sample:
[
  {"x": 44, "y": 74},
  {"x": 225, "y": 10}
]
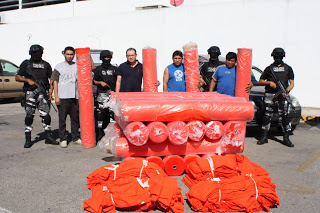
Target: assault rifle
[
  {"x": 41, "y": 87},
  {"x": 281, "y": 89},
  {"x": 205, "y": 78}
]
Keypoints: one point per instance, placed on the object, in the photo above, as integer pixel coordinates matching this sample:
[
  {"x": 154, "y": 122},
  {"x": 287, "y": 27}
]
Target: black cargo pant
[{"x": 69, "y": 107}]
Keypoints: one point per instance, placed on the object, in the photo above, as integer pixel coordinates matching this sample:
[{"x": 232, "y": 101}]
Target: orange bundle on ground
[
  {"x": 174, "y": 165},
  {"x": 134, "y": 185},
  {"x": 235, "y": 194},
  {"x": 222, "y": 167},
  {"x": 191, "y": 65}
]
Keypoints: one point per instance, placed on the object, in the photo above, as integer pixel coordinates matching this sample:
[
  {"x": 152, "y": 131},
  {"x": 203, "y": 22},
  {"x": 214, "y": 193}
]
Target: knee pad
[
  {"x": 46, "y": 119},
  {"x": 28, "y": 120}
]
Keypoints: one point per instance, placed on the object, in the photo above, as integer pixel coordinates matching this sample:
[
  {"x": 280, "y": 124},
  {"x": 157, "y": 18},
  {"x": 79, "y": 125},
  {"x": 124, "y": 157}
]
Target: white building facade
[{"x": 119, "y": 24}]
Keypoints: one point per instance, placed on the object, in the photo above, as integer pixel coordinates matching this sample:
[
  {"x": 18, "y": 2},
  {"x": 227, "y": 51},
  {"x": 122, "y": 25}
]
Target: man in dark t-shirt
[
  {"x": 129, "y": 74},
  {"x": 273, "y": 98}
]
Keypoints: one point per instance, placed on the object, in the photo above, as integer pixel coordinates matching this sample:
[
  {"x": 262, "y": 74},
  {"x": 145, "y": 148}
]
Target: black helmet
[
  {"x": 35, "y": 48},
  {"x": 214, "y": 49},
  {"x": 105, "y": 54},
  {"x": 278, "y": 51}
]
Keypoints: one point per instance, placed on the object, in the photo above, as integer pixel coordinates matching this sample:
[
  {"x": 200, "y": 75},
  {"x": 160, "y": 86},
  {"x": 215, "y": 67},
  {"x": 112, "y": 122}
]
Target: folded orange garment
[
  {"x": 196, "y": 130},
  {"x": 235, "y": 194},
  {"x": 134, "y": 185},
  {"x": 221, "y": 167},
  {"x": 178, "y": 132},
  {"x": 188, "y": 159}
]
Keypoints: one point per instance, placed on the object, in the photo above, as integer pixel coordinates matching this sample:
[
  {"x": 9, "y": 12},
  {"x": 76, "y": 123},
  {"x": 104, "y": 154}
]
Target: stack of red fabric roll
[{"x": 180, "y": 123}]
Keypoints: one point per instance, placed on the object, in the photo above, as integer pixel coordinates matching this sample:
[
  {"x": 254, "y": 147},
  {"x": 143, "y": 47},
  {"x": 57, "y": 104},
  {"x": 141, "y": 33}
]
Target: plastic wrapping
[
  {"x": 214, "y": 130},
  {"x": 112, "y": 132},
  {"x": 188, "y": 159},
  {"x": 178, "y": 132},
  {"x": 149, "y": 69},
  {"x": 196, "y": 130},
  {"x": 157, "y": 160},
  {"x": 158, "y": 132},
  {"x": 173, "y": 165},
  {"x": 191, "y": 65},
  {"x": 187, "y": 110},
  {"x": 85, "y": 98},
  {"x": 234, "y": 133},
  {"x": 137, "y": 133},
  {"x": 243, "y": 75}
]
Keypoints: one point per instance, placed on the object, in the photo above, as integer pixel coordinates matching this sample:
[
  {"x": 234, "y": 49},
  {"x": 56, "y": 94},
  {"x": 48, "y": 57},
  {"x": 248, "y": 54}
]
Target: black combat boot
[
  {"x": 286, "y": 140},
  {"x": 49, "y": 138},
  {"x": 100, "y": 134},
  {"x": 264, "y": 137},
  {"x": 28, "y": 143}
]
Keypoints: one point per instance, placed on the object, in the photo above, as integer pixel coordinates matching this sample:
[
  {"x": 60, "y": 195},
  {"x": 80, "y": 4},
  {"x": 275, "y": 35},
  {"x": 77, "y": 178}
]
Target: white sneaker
[
  {"x": 63, "y": 144},
  {"x": 79, "y": 142}
]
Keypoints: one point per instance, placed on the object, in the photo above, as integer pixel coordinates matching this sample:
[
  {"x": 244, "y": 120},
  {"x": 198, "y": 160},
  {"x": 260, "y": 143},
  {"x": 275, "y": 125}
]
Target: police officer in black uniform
[
  {"x": 210, "y": 67},
  {"x": 34, "y": 73},
  {"x": 105, "y": 79},
  {"x": 273, "y": 99}
]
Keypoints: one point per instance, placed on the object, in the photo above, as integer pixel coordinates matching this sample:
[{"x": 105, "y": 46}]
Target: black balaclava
[
  {"x": 106, "y": 63},
  {"x": 214, "y": 57},
  {"x": 36, "y": 56},
  {"x": 278, "y": 59}
]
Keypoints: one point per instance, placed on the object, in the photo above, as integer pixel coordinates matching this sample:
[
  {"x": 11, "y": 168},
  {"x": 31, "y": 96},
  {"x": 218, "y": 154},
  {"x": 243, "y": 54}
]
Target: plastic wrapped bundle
[
  {"x": 85, "y": 98},
  {"x": 214, "y": 130},
  {"x": 234, "y": 133},
  {"x": 173, "y": 165},
  {"x": 122, "y": 148},
  {"x": 191, "y": 65},
  {"x": 185, "y": 110},
  {"x": 196, "y": 130},
  {"x": 243, "y": 75},
  {"x": 178, "y": 132},
  {"x": 158, "y": 132},
  {"x": 137, "y": 133},
  {"x": 149, "y": 69}
]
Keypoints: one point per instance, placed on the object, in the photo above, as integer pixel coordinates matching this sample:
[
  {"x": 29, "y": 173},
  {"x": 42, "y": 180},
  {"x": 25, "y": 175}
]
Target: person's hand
[
  {"x": 32, "y": 83},
  {"x": 157, "y": 83},
  {"x": 248, "y": 88},
  {"x": 202, "y": 81},
  {"x": 50, "y": 95},
  {"x": 104, "y": 84},
  {"x": 57, "y": 100},
  {"x": 273, "y": 85}
]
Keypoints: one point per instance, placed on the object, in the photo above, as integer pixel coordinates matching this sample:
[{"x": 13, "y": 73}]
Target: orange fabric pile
[
  {"x": 236, "y": 194},
  {"x": 133, "y": 185},
  {"x": 229, "y": 184},
  {"x": 222, "y": 167}
]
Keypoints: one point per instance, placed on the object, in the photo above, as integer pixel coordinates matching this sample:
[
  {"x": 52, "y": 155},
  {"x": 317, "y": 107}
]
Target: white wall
[{"x": 230, "y": 24}]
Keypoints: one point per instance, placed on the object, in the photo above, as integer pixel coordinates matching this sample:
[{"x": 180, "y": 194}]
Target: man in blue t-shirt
[
  {"x": 225, "y": 77},
  {"x": 174, "y": 74}
]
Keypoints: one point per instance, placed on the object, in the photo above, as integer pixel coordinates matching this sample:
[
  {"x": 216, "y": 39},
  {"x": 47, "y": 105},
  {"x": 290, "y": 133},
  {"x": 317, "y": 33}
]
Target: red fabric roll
[
  {"x": 243, "y": 76},
  {"x": 196, "y": 130},
  {"x": 158, "y": 132},
  {"x": 234, "y": 133},
  {"x": 149, "y": 69},
  {"x": 120, "y": 147},
  {"x": 188, "y": 159},
  {"x": 137, "y": 133},
  {"x": 157, "y": 160},
  {"x": 214, "y": 130},
  {"x": 178, "y": 132},
  {"x": 191, "y": 66},
  {"x": 173, "y": 165},
  {"x": 86, "y": 116},
  {"x": 188, "y": 110}
]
